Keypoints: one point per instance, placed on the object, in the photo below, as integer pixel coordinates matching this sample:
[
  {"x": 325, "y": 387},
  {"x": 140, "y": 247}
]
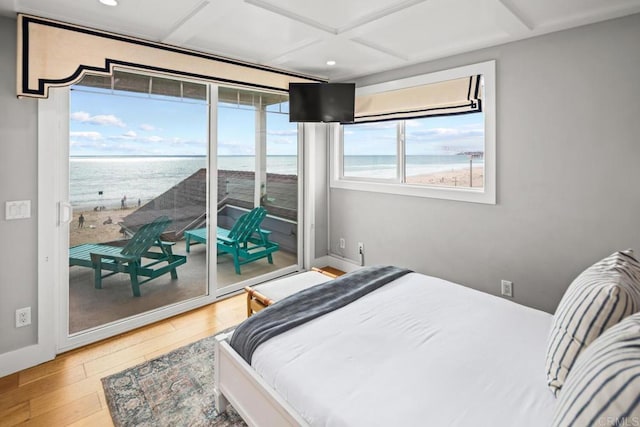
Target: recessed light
[
  {"x": 331, "y": 62},
  {"x": 109, "y": 2}
]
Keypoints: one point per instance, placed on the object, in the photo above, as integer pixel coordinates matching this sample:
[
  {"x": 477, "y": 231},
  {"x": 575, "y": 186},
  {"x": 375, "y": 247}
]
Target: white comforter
[{"x": 418, "y": 352}]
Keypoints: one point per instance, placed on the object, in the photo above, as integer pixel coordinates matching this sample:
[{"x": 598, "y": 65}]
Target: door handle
[{"x": 65, "y": 213}]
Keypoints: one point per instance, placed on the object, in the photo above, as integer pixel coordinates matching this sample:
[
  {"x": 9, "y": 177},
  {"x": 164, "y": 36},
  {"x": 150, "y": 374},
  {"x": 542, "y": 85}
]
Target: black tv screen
[{"x": 321, "y": 102}]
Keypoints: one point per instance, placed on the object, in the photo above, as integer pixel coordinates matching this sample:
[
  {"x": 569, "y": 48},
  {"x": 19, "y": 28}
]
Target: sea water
[
  {"x": 106, "y": 181},
  {"x": 385, "y": 166}
]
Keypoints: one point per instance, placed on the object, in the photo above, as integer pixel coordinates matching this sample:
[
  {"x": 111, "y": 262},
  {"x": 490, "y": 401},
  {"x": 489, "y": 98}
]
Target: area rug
[{"x": 175, "y": 389}]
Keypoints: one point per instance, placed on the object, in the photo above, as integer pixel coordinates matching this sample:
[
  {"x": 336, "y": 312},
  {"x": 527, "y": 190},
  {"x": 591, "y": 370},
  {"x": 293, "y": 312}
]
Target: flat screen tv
[{"x": 321, "y": 102}]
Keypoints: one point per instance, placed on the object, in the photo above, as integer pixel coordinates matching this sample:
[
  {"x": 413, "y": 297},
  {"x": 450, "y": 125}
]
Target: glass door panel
[
  {"x": 257, "y": 167},
  {"x": 281, "y": 193},
  {"x": 236, "y": 178},
  {"x": 137, "y": 182}
]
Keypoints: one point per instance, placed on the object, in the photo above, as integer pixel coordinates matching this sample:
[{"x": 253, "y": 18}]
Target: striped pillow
[
  {"x": 603, "y": 388},
  {"x": 598, "y": 298}
]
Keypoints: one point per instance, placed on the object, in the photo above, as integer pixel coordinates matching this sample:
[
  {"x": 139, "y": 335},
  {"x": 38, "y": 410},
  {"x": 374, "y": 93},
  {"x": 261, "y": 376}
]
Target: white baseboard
[
  {"x": 23, "y": 358},
  {"x": 343, "y": 264}
]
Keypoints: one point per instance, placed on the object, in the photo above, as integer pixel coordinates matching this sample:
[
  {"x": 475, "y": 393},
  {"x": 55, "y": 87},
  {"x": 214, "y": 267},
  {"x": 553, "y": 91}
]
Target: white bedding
[{"x": 418, "y": 351}]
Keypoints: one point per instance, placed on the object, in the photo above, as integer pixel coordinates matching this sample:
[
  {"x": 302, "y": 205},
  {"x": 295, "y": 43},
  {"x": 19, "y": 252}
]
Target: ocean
[
  {"x": 385, "y": 166},
  {"x": 145, "y": 178}
]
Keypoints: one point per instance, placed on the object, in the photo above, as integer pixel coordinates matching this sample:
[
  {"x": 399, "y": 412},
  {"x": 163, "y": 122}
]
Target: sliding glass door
[
  {"x": 138, "y": 177},
  {"x": 146, "y": 229}
]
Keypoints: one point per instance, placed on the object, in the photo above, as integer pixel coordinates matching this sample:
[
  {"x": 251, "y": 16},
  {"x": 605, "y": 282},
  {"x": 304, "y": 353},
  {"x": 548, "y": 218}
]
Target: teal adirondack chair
[
  {"x": 246, "y": 241},
  {"x": 128, "y": 258}
]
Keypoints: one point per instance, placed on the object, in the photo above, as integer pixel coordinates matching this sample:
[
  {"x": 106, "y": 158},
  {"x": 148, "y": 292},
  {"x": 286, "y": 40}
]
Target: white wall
[
  {"x": 568, "y": 150},
  {"x": 18, "y": 181}
]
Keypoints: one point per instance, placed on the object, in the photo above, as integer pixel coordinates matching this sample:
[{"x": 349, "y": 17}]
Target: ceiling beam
[
  {"x": 187, "y": 26},
  {"x": 284, "y": 56},
  {"x": 265, "y": 4},
  {"x": 291, "y": 15},
  {"x": 512, "y": 20},
  {"x": 382, "y": 13},
  {"x": 379, "y": 48}
]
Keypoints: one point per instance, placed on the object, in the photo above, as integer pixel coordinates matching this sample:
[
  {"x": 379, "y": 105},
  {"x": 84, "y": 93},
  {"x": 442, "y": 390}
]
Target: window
[
  {"x": 446, "y": 150},
  {"x": 370, "y": 150}
]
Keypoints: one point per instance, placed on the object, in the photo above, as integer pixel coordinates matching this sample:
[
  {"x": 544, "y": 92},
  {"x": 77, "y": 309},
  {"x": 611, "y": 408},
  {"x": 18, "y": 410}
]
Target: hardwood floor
[{"x": 67, "y": 390}]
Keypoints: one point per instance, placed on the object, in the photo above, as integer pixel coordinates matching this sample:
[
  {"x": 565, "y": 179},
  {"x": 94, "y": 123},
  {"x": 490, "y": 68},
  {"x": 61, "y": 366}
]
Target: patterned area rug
[{"x": 173, "y": 390}]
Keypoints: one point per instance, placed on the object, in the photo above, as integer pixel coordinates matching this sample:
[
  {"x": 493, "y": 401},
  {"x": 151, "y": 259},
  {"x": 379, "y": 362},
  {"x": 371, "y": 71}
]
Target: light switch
[{"x": 18, "y": 209}]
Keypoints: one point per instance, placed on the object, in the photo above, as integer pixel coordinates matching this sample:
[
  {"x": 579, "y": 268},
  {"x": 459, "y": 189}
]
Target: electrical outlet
[
  {"x": 23, "y": 317},
  {"x": 507, "y": 288},
  {"x": 360, "y": 248},
  {"x": 343, "y": 243}
]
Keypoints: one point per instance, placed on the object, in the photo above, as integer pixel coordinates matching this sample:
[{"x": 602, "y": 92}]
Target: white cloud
[
  {"x": 93, "y": 136},
  {"x": 80, "y": 116},
  {"x": 283, "y": 141},
  {"x": 154, "y": 138},
  {"x": 446, "y": 133},
  {"x": 147, "y": 127},
  {"x": 133, "y": 137},
  {"x": 100, "y": 119}
]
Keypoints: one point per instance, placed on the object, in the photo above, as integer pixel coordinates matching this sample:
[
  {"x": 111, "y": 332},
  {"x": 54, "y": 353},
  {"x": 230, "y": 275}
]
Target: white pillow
[
  {"x": 603, "y": 388},
  {"x": 598, "y": 298}
]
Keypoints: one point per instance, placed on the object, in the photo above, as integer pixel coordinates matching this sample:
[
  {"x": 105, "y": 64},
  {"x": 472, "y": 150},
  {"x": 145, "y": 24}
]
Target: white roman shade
[
  {"x": 52, "y": 53},
  {"x": 457, "y": 96}
]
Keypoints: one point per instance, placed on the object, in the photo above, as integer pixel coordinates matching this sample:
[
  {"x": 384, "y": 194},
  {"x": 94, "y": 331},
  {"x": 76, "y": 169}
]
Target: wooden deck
[{"x": 67, "y": 390}]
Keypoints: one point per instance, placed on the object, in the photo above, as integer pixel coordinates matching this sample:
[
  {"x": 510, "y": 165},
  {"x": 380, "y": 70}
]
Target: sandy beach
[
  {"x": 454, "y": 178},
  {"x": 96, "y": 228}
]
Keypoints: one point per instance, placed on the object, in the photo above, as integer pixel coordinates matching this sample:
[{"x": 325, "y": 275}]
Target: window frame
[{"x": 486, "y": 194}]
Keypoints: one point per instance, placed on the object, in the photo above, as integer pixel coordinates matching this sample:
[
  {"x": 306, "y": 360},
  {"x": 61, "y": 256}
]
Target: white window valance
[
  {"x": 457, "y": 96},
  {"x": 52, "y": 53}
]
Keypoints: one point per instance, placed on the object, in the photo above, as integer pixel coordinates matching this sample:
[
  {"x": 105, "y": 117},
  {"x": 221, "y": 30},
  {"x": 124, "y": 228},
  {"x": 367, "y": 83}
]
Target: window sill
[{"x": 471, "y": 195}]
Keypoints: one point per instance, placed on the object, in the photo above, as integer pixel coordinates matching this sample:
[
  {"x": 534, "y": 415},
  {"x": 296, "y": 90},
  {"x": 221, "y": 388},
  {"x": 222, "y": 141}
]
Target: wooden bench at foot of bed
[{"x": 261, "y": 296}]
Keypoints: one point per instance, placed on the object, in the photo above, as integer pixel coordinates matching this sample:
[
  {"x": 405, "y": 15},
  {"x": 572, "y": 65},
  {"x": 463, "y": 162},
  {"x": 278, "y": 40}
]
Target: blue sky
[
  {"x": 434, "y": 135},
  {"x": 102, "y": 124}
]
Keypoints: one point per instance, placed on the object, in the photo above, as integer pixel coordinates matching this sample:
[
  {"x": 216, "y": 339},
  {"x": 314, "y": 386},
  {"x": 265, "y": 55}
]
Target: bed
[{"x": 416, "y": 351}]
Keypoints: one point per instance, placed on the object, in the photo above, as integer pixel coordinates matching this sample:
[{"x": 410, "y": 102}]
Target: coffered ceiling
[{"x": 362, "y": 36}]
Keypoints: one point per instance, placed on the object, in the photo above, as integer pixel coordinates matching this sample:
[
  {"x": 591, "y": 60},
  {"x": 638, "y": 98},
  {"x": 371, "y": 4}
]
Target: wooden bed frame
[{"x": 237, "y": 383}]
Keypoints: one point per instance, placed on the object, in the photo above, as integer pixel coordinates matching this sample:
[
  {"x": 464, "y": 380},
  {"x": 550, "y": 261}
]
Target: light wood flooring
[{"x": 67, "y": 390}]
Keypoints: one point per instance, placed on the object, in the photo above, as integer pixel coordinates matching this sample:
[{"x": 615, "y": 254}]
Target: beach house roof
[{"x": 185, "y": 203}]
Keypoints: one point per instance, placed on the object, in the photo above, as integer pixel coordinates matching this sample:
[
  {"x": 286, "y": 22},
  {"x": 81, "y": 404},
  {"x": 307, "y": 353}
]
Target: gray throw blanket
[{"x": 309, "y": 304}]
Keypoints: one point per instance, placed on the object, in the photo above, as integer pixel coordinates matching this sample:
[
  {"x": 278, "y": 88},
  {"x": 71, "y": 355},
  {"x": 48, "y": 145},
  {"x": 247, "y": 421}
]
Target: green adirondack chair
[
  {"x": 246, "y": 241},
  {"x": 128, "y": 258}
]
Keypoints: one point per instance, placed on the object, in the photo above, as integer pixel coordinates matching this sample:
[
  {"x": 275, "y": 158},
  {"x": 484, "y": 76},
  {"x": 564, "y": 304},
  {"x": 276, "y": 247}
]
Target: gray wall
[
  {"x": 568, "y": 149},
  {"x": 18, "y": 181}
]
